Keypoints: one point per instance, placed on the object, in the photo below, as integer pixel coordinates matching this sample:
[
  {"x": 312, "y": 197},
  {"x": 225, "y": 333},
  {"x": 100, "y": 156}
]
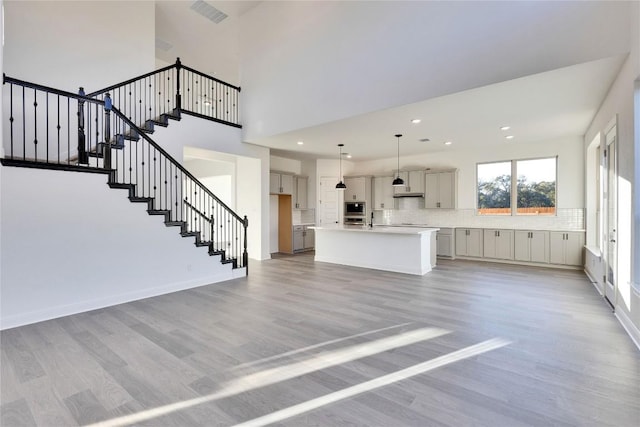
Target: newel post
[
  {"x": 107, "y": 131},
  {"x": 83, "y": 157},
  {"x": 178, "y": 96},
  {"x": 245, "y": 254}
]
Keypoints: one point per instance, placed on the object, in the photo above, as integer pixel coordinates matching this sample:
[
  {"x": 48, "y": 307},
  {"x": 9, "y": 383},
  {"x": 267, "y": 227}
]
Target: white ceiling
[
  {"x": 578, "y": 54},
  {"x": 541, "y": 107}
]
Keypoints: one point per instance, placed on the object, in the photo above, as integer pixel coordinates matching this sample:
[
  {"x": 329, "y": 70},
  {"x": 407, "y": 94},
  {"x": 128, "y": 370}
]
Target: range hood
[{"x": 401, "y": 195}]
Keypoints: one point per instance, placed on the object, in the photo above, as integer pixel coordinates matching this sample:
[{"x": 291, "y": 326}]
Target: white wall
[
  {"x": 252, "y": 166},
  {"x": 282, "y": 164},
  {"x": 619, "y": 103},
  {"x": 217, "y": 176},
  {"x": 71, "y": 244},
  {"x": 68, "y": 44}
]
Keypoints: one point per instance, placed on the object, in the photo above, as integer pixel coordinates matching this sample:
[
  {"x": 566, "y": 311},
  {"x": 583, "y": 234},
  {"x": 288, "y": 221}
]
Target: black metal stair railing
[
  {"x": 51, "y": 128},
  {"x": 173, "y": 90}
]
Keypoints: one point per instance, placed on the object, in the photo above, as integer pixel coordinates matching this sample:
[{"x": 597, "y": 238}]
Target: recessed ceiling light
[
  {"x": 300, "y": 142},
  {"x": 505, "y": 128},
  {"x": 416, "y": 121},
  {"x": 207, "y": 102},
  {"x": 448, "y": 143},
  {"x": 509, "y": 136},
  {"x": 348, "y": 156}
]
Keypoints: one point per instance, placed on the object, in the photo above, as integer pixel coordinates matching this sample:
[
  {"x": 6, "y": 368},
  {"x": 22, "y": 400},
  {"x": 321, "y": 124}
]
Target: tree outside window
[
  {"x": 535, "y": 187},
  {"x": 494, "y": 188}
]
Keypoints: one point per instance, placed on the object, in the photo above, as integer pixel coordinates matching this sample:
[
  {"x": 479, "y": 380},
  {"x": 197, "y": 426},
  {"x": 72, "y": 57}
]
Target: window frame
[{"x": 514, "y": 187}]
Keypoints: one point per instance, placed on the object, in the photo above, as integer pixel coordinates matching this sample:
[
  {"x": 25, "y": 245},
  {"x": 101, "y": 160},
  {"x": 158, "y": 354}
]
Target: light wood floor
[{"x": 568, "y": 363}]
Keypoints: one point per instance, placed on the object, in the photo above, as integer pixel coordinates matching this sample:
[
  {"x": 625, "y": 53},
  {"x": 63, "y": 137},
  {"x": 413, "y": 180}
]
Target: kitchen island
[{"x": 408, "y": 250}]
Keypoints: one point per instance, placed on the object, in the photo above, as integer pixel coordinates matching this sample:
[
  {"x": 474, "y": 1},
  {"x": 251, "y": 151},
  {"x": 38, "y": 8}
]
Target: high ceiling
[{"x": 357, "y": 72}]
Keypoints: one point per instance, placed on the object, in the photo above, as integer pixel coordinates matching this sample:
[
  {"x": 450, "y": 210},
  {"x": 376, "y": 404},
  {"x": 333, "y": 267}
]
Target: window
[
  {"x": 494, "y": 188},
  {"x": 534, "y": 182}
]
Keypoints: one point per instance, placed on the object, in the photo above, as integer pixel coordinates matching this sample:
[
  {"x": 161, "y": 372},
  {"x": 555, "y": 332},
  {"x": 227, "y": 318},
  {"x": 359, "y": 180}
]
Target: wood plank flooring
[{"x": 221, "y": 355}]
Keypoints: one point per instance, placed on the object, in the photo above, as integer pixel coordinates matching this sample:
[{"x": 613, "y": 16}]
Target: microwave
[{"x": 354, "y": 209}]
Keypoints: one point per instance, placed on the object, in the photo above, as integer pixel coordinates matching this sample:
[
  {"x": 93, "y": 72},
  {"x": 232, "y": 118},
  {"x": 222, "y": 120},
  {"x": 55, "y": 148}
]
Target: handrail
[
  {"x": 174, "y": 161},
  {"x": 172, "y": 90},
  {"x": 159, "y": 70},
  {"x": 200, "y": 73},
  {"x": 7, "y": 79}
]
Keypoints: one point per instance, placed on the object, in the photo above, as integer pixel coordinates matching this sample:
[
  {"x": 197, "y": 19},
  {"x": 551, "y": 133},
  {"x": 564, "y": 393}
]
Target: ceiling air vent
[
  {"x": 208, "y": 11},
  {"x": 424, "y": 140}
]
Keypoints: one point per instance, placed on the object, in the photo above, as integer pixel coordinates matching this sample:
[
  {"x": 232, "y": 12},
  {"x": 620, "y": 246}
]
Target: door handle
[{"x": 612, "y": 240}]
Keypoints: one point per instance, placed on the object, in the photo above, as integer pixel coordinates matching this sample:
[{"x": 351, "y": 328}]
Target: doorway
[{"x": 609, "y": 238}]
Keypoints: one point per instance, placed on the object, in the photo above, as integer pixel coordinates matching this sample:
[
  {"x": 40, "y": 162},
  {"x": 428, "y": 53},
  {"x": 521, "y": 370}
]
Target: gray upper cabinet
[
  {"x": 280, "y": 183},
  {"x": 300, "y": 192},
  {"x": 440, "y": 190},
  {"x": 358, "y": 189},
  {"x": 413, "y": 182},
  {"x": 383, "y": 192}
]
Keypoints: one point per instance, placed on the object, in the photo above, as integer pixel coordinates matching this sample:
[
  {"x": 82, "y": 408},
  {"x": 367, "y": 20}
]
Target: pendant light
[
  {"x": 340, "y": 185},
  {"x": 398, "y": 182}
]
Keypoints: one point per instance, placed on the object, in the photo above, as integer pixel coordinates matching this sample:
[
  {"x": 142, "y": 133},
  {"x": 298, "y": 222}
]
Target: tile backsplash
[
  {"x": 566, "y": 219},
  {"x": 303, "y": 216}
]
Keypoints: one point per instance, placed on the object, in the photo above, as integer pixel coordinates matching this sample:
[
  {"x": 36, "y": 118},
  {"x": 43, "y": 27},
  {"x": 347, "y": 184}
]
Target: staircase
[{"x": 108, "y": 131}]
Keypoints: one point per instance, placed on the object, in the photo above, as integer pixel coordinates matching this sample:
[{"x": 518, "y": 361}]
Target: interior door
[
  {"x": 611, "y": 217},
  {"x": 330, "y": 202}
]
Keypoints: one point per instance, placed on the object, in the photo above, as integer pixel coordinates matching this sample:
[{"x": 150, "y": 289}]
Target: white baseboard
[
  {"x": 88, "y": 305},
  {"x": 593, "y": 281},
  {"x": 628, "y": 325}
]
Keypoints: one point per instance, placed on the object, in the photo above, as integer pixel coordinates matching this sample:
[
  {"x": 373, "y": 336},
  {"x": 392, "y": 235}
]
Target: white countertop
[{"x": 378, "y": 229}]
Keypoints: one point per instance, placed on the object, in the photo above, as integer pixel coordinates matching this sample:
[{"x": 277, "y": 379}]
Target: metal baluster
[
  {"x": 57, "y": 127},
  {"x": 68, "y": 130},
  {"x": 35, "y": 125},
  {"x": 245, "y": 255},
  {"x": 97, "y": 133},
  {"x": 24, "y": 131},
  {"x": 46, "y": 101},
  {"x": 11, "y": 115}
]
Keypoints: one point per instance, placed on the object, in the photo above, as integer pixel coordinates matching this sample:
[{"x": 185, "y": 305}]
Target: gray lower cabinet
[
  {"x": 498, "y": 244},
  {"x": 469, "y": 242},
  {"x": 446, "y": 243},
  {"x": 566, "y": 247},
  {"x": 303, "y": 238},
  {"x": 532, "y": 246}
]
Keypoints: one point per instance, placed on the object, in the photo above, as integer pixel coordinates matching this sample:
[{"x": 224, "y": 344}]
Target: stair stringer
[{"x": 71, "y": 244}]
